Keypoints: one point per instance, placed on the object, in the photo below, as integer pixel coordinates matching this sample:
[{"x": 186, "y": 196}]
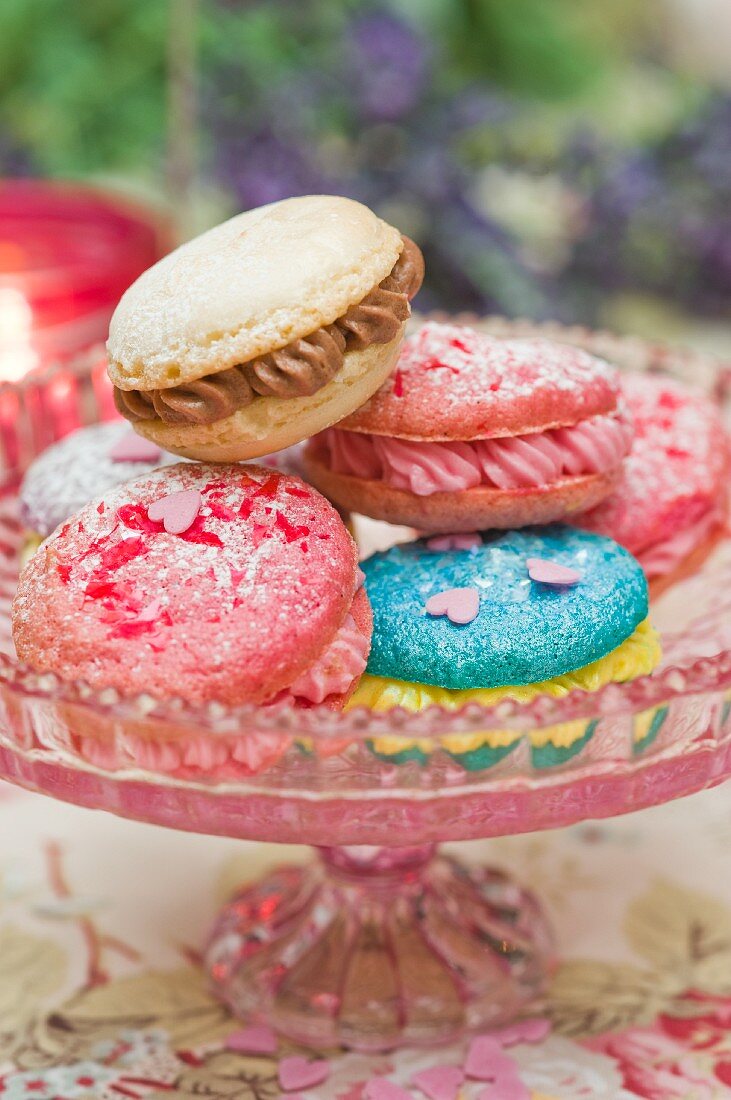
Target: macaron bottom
[{"x": 549, "y": 747}]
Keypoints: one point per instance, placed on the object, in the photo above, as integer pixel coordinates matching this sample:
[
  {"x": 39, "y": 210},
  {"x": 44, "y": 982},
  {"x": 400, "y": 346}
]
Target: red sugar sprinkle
[
  {"x": 260, "y": 532},
  {"x": 294, "y": 491},
  {"x": 196, "y": 533},
  {"x": 437, "y": 364},
  {"x": 98, "y": 589},
  {"x": 398, "y": 384},
  {"x": 221, "y": 510},
  {"x": 268, "y": 488},
  {"x": 64, "y": 572},
  {"x": 291, "y": 531},
  {"x": 247, "y": 506},
  {"x": 100, "y": 508},
  {"x": 135, "y": 517},
  {"x": 459, "y": 344},
  {"x": 122, "y": 552}
]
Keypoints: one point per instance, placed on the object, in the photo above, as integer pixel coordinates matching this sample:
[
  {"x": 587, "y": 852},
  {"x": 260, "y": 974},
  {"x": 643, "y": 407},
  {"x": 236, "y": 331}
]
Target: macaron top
[
  {"x": 453, "y": 382},
  {"x": 84, "y": 465},
  {"x": 251, "y": 285},
  {"x": 228, "y": 592},
  {"x": 525, "y": 631},
  {"x": 676, "y": 470}
]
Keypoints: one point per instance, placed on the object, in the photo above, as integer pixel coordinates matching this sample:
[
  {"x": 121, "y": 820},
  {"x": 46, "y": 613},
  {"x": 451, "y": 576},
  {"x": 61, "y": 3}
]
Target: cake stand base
[{"x": 376, "y": 948}]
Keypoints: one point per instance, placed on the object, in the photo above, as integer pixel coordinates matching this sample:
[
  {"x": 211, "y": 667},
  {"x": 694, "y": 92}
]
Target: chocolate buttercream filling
[{"x": 297, "y": 370}]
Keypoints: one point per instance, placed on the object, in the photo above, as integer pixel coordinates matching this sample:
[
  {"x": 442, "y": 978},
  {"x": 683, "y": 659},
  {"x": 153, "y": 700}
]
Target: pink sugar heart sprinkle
[
  {"x": 460, "y": 605},
  {"x": 257, "y": 1039},
  {"x": 534, "y": 1030},
  {"x": 439, "y": 1082},
  {"x": 177, "y": 511},
  {"x": 486, "y": 1060},
  {"x": 509, "y": 1087},
  {"x": 378, "y": 1088},
  {"x": 297, "y": 1073},
  {"x": 133, "y": 448},
  {"x": 550, "y": 572},
  {"x": 461, "y": 540}
]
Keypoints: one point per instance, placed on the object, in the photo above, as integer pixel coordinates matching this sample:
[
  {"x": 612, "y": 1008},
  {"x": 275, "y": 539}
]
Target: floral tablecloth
[{"x": 102, "y": 995}]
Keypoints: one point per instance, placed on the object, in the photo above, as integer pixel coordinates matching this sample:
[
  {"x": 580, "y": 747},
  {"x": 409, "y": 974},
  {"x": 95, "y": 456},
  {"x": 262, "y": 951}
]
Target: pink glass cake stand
[{"x": 383, "y": 942}]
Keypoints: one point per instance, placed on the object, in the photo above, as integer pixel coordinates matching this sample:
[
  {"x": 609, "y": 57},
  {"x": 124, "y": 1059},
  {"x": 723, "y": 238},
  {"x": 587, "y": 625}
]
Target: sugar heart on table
[
  {"x": 177, "y": 511},
  {"x": 298, "y": 1073},
  {"x": 439, "y": 1082},
  {"x": 486, "y": 1060},
  {"x": 133, "y": 448},
  {"x": 460, "y": 605},
  {"x": 257, "y": 1039},
  {"x": 379, "y": 1088},
  {"x": 550, "y": 572}
]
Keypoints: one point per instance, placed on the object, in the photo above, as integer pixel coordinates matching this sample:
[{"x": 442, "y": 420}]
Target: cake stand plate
[{"x": 375, "y": 946}]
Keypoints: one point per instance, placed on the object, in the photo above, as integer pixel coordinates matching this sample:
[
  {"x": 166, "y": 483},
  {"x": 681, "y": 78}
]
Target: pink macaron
[
  {"x": 669, "y": 507},
  {"x": 473, "y": 432},
  {"x": 80, "y": 468},
  {"x": 228, "y": 583}
]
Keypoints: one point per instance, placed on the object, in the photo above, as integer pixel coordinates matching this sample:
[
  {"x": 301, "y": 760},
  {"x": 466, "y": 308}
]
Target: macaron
[
  {"x": 264, "y": 330},
  {"x": 470, "y": 619},
  {"x": 669, "y": 507},
  {"x": 82, "y": 466},
  {"x": 234, "y": 584},
  {"x": 474, "y": 432}
]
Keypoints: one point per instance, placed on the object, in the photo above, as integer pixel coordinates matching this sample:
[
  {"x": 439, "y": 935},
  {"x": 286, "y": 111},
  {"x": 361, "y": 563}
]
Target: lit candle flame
[{"x": 17, "y": 355}]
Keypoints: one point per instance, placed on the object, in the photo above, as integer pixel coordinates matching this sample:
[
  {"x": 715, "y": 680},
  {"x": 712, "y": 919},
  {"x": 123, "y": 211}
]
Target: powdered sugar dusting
[
  {"x": 675, "y": 472},
  {"x": 455, "y": 382},
  {"x": 78, "y": 469},
  {"x": 234, "y": 608}
]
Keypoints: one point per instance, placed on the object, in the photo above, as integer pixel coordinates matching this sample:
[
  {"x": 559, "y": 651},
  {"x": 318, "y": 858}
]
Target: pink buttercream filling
[
  {"x": 665, "y": 556},
  {"x": 336, "y": 668},
  {"x": 515, "y": 462}
]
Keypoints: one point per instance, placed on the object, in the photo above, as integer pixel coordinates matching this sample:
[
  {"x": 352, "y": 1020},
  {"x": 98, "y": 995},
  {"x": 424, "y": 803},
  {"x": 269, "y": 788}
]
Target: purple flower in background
[
  {"x": 14, "y": 160},
  {"x": 479, "y": 105},
  {"x": 263, "y": 167},
  {"x": 387, "y": 66}
]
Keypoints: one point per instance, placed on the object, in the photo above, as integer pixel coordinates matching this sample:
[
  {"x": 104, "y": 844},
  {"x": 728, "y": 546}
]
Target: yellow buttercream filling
[
  {"x": 637, "y": 656},
  {"x": 30, "y": 544}
]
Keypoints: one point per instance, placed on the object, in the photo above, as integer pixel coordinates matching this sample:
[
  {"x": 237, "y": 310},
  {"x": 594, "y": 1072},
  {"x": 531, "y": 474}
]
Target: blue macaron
[{"x": 525, "y": 631}]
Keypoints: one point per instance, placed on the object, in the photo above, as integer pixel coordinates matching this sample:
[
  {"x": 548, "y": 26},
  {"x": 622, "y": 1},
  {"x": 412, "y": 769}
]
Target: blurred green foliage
[{"x": 82, "y": 84}]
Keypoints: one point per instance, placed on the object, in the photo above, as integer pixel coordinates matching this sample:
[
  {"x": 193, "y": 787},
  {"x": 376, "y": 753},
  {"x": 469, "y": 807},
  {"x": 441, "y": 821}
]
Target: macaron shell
[
  {"x": 453, "y": 382},
  {"x": 677, "y": 469},
  {"x": 233, "y": 609},
  {"x": 246, "y": 287},
  {"x": 467, "y": 510},
  {"x": 76, "y": 470},
  {"x": 525, "y": 632},
  {"x": 272, "y": 423}
]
